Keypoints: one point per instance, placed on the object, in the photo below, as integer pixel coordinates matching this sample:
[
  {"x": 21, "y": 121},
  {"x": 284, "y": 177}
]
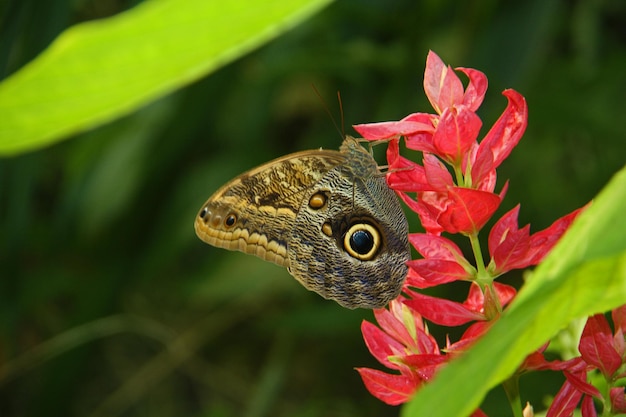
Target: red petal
[
  {"x": 512, "y": 253},
  {"x": 499, "y": 231},
  {"x": 505, "y": 293},
  {"x": 425, "y": 365},
  {"x": 427, "y": 219},
  {"x": 456, "y": 132},
  {"x": 442, "y": 86},
  {"x": 433, "y": 77},
  {"x": 422, "y": 140},
  {"x": 403, "y": 174},
  {"x": 487, "y": 182},
  {"x": 476, "y": 330},
  {"x": 506, "y": 132},
  {"x": 437, "y": 176},
  {"x": 386, "y": 130},
  {"x": 399, "y": 309},
  {"x": 596, "y": 346},
  {"x": 424, "y": 273},
  {"x": 579, "y": 381},
  {"x": 510, "y": 247},
  {"x": 565, "y": 401},
  {"x": 483, "y": 171},
  {"x": 619, "y": 343},
  {"x": 468, "y": 210},
  {"x": 470, "y": 336},
  {"x": 505, "y": 188},
  {"x": 441, "y": 311},
  {"x": 438, "y": 247},
  {"x": 424, "y": 118},
  {"x": 619, "y": 322},
  {"x": 618, "y": 315},
  {"x": 408, "y": 180},
  {"x": 587, "y": 409},
  {"x": 391, "y": 389},
  {"x": 394, "y": 327},
  {"x": 542, "y": 242},
  {"x": 478, "y": 413},
  {"x": 409, "y": 331},
  {"x": 393, "y": 156},
  {"x": 618, "y": 400},
  {"x": 380, "y": 344},
  {"x": 450, "y": 92},
  {"x": 426, "y": 344},
  {"x": 475, "y": 298},
  {"x": 534, "y": 361},
  {"x": 475, "y": 91},
  {"x": 422, "y": 360}
]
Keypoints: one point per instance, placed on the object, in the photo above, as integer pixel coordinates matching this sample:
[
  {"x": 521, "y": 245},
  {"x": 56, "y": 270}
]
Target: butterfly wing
[
  {"x": 353, "y": 249},
  {"x": 255, "y": 212}
]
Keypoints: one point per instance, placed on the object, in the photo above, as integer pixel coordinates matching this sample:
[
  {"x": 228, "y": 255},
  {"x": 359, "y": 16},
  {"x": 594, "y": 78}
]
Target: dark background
[{"x": 130, "y": 314}]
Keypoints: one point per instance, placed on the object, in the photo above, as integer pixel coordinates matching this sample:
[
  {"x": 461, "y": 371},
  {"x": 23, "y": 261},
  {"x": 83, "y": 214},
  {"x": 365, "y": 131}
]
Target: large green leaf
[
  {"x": 583, "y": 275},
  {"x": 100, "y": 70}
]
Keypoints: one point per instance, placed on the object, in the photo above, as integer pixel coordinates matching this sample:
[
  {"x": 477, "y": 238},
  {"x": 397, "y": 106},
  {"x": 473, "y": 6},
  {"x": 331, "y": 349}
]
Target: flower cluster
[
  {"x": 601, "y": 352},
  {"x": 453, "y": 190}
]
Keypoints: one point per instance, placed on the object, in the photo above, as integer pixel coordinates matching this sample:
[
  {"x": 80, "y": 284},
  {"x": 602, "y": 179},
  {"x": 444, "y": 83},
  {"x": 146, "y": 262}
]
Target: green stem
[
  {"x": 481, "y": 275},
  {"x": 485, "y": 281},
  {"x": 460, "y": 180},
  {"x": 606, "y": 400},
  {"x": 511, "y": 388}
]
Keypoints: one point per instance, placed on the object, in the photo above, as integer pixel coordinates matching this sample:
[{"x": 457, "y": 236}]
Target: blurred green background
[{"x": 110, "y": 305}]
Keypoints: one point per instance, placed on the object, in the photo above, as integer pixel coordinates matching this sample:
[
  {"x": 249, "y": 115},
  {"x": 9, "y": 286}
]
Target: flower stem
[
  {"x": 492, "y": 307},
  {"x": 460, "y": 180},
  {"x": 511, "y": 388},
  {"x": 606, "y": 400},
  {"x": 478, "y": 256}
]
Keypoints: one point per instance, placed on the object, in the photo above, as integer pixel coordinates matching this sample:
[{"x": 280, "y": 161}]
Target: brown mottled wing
[
  {"x": 262, "y": 205},
  {"x": 320, "y": 262}
]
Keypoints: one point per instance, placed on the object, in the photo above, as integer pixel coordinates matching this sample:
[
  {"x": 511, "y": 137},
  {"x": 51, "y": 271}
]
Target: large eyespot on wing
[
  {"x": 362, "y": 241},
  {"x": 354, "y": 249}
]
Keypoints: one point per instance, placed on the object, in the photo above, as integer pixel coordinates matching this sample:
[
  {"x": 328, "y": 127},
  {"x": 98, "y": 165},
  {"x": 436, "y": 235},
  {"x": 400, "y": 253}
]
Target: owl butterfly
[{"x": 327, "y": 216}]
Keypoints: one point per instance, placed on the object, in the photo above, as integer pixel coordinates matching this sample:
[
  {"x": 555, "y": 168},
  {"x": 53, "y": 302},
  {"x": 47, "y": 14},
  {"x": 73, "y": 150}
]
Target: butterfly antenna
[
  {"x": 343, "y": 126},
  {"x": 328, "y": 111}
]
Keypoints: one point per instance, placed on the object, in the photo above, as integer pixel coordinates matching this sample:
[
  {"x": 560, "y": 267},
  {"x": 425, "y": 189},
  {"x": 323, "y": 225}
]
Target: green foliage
[
  {"x": 110, "y": 305},
  {"x": 100, "y": 70},
  {"x": 576, "y": 280}
]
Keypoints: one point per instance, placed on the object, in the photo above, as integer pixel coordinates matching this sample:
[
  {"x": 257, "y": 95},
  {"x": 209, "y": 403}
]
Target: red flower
[
  {"x": 618, "y": 400},
  {"x": 451, "y": 136},
  {"x": 513, "y": 248},
  {"x": 597, "y": 348},
  {"x": 601, "y": 350},
  {"x": 443, "y": 262},
  {"x": 453, "y": 191},
  {"x": 451, "y": 313},
  {"x": 401, "y": 343},
  {"x": 440, "y": 204},
  {"x": 453, "y": 130},
  {"x": 389, "y": 388},
  {"x": 536, "y": 361}
]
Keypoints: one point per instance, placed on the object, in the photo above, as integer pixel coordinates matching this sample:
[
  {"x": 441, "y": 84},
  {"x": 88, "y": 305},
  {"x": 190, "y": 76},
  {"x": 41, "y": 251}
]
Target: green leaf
[
  {"x": 583, "y": 275},
  {"x": 100, "y": 70}
]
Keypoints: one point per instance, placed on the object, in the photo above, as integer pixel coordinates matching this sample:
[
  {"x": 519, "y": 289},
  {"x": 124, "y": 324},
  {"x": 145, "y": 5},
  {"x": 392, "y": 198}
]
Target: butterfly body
[{"x": 327, "y": 216}]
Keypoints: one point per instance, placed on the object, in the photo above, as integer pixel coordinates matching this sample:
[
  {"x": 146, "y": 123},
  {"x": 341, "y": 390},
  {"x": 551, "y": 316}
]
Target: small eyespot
[
  {"x": 203, "y": 212},
  {"x": 362, "y": 241},
  {"x": 327, "y": 229},
  {"x": 317, "y": 200},
  {"x": 230, "y": 220}
]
